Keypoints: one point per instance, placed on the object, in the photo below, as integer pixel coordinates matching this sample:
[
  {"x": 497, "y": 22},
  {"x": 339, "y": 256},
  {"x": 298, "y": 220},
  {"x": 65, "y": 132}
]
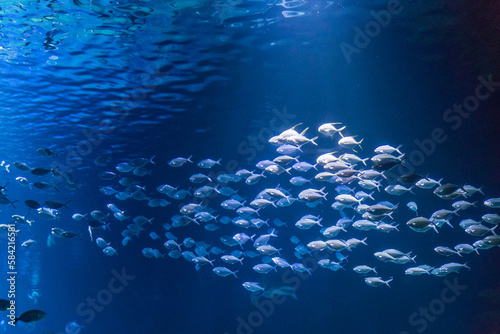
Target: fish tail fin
[
  {"x": 388, "y": 281},
  {"x": 493, "y": 230},
  {"x": 189, "y": 159},
  {"x": 65, "y": 204},
  {"x": 434, "y": 227},
  {"x": 151, "y": 160},
  {"x": 411, "y": 189},
  {"x": 234, "y": 273},
  {"x": 313, "y": 141}
]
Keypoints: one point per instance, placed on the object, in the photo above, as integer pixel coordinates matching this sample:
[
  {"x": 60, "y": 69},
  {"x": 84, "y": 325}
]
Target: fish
[
  {"x": 446, "y": 251},
  {"x": 364, "y": 270},
  {"x": 398, "y": 189},
  {"x": 252, "y": 286},
  {"x": 109, "y": 251},
  {"x": 21, "y": 166},
  {"x": 329, "y": 129},
  {"x": 491, "y": 218},
  {"x": 208, "y": 163},
  {"x": 31, "y": 316},
  {"x": 179, "y": 162},
  {"x": 349, "y": 142},
  {"x": 102, "y": 243},
  {"x": 56, "y": 205},
  {"x": 479, "y": 230},
  {"x": 28, "y": 243},
  {"x": 4, "y": 304},
  {"x": 387, "y": 149},
  {"x": 263, "y": 268},
  {"x": 40, "y": 171},
  {"x": 377, "y": 281},
  {"x": 420, "y": 270},
  {"x": 428, "y": 183},
  {"x": 413, "y": 206},
  {"x": 45, "y": 186}
]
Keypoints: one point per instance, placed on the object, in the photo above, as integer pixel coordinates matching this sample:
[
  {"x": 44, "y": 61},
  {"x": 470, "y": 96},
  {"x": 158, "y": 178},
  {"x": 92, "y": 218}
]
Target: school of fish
[{"x": 245, "y": 220}]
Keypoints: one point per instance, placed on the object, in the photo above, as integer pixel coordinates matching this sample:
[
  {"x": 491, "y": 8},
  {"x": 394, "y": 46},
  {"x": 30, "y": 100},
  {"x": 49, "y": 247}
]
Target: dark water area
[{"x": 136, "y": 79}]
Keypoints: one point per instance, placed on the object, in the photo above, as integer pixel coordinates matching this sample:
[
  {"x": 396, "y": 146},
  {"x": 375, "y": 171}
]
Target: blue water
[{"x": 215, "y": 79}]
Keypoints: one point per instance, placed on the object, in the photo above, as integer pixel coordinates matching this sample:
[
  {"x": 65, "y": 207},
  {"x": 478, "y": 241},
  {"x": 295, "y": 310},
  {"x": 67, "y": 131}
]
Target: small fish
[
  {"x": 55, "y": 204},
  {"x": 350, "y": 142},
  {"x": 40, "y": 171},
  {"x": 263, "y": 268},
  {"x": 364, "y": 270},
  {"x": 377, "y": 281},
  {"x": 446, "y": 251},
  {"x": 178, "y": 162},
  {"x": 252, "y": 286},
  {"x": 45, "y": 185},
  {"x": 479, "y": 230},
  {"x": 329, "y": 129},
  {"x": 387, "y": 149},
  {"x": 31, "y": 316},
  {"x": 492, "y": 203},
  {"x": 208, "y": 163},
  {"x": 102, "y": 243},
  {"x": 102, "y": 160},
  {"x": 79, "y": 216},
  {"x": 109, "y": 251},
  {"x": 413, "y": 207},
  {"x": 28, "y": 243},
  {"x": 23, "y": 181},
  {"x": 21, "y": 166},
  {"x": 223, "y": 271}
]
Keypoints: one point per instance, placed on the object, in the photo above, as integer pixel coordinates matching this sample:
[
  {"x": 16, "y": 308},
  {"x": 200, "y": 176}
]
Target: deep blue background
[{"x": 394, "y": 91}]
